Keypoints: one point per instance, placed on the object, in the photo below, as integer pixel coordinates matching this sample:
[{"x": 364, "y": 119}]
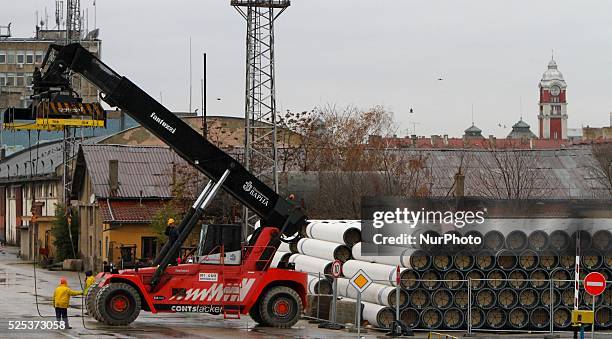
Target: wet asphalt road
[{"x": 18, "y": 303}]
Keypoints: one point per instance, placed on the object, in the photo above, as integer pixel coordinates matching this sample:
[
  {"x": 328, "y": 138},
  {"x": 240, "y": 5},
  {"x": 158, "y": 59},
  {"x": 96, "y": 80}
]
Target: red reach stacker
[{"x": 228, "y": 276}]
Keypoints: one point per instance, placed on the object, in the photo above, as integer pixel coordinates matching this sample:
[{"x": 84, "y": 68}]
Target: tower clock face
[{"x": 555, "y": 90}]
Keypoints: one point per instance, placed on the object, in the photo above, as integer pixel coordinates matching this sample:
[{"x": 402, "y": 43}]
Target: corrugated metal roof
[
  {"x": 144, "y": 171},
  {"x": 39, "y": 160}
]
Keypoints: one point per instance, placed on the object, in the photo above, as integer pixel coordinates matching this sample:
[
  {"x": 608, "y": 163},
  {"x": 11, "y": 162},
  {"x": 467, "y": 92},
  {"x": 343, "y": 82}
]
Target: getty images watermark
[{"x": 408, "y": 220}]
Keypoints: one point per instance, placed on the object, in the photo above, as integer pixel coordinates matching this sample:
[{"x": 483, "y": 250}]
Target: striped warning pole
[{"x": 577, "y": 272}]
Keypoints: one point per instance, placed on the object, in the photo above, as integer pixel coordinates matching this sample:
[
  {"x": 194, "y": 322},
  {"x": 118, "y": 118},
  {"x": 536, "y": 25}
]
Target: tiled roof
[
  {"x": 144, "y": 171},
  {"x": 132, "y": 211}
]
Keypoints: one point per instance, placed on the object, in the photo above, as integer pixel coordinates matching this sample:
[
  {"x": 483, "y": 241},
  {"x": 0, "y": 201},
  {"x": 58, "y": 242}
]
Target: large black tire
[
  {"x": 255, "y": 314},
  {"x": 118, "y": 304},
  {"x": 280, "y": 307},
  {"x": 90, "y": 302}
]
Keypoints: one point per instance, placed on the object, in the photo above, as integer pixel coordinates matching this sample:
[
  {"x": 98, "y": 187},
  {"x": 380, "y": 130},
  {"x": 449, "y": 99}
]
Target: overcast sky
[{"x": 491, "y": 54}]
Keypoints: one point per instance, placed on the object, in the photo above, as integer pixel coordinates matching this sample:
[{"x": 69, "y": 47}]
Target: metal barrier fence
[{"x": 491, "y": 303}]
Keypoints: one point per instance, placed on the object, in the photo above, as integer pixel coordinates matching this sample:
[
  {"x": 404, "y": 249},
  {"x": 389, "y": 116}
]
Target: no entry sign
[
  {"x": 595, "y": 283},
  {"x": 337, "y": 269}
]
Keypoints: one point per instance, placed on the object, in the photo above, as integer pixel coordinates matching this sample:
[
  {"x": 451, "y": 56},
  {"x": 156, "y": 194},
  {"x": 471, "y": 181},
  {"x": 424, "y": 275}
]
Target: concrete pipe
[
  {"x": 545, "y": 298},
  {"x": 453, "y": 279},
  {"x": 277, "y": 258},
  {"x": 476, "y": 278},
  {"x": 474, "y": 234},
  {"x": 453, "y": 319},
  {"x": 538, "y": 240},
  {"x": 431, "y": 318},
  {"x": 539, "y": 318},
  {"x": 486, "y": 298},
  {"x": 562, "y": 278},
  {"x": 528, "y": 260},
  {"x": 518, "y": 279},
  {"x": 452, "y": 247},
  {"x": 410, "y": 279},
  {"x": 485, "y": 260},
  {"x": 324, "y": 249},
  {"x": 442, "y": 298},
  {"x": 518, "y": 318},
  {"x": 539, "y": 278},
  {"x": 549, "y": 260},
  {"x": 528, "y": 298},
  {"x": 410, "y": 317},
  {"x": 430, "y": 280},
  {"x": 464, "y": 260},
  {"x": 304, "y": 263},
  {"x": 494, "y": 241},
  {"x": 567, "y": 261},
  {"x": 376, "y": 293},
  {"x": 562, "y": 318},
  {"x": 496, "y": 318},
  {"x": 592, "y": 259},
  {"x": 378, "y": 315},
  {"x": 442, "y": 262},
  {"x": 603, "y": 318},
  {"x": 460, "y": 299},
  {"x": 382, "y": 274},
  {"x": 478, "y": 318},
  {"x": 419, "y": 299},
  {"x": 496, "y": 279},
  {"x": 567, "y": 297},
  {"x": 347, "y": 233},
  {"x": 607, "y": 297},
  {"x": 585, "y": 239},
  {"x": 608, "y": 260},
  {"x": 394, "y": 260},
  {"x": 506, "y": 259},
  {"x": 587, "y": 300},
  {"x": 284, "y": 247},
  {"x": 420, "y": 260},
  {"x": 516, "y": 240},
  {"x": 558, "y": 240},
  {"x": 319, "y": 285},
  {"x": 602, "y": 240},
  {"x": 507, "y": 298}
]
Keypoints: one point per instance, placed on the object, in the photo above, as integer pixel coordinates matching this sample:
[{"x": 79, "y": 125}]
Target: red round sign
[
  {"x": 337, "y": 269},
  {"x": 595, "y": 283}
]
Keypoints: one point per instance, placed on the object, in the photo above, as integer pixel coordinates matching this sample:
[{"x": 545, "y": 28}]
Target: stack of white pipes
[{"x": 325, "y": 241}]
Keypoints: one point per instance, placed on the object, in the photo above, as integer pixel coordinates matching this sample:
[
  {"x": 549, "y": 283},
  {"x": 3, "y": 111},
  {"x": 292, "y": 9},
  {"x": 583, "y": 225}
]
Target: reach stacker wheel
[
  {"x": 281, "y": 307},
  {"x": 90, "y": 302},
  {"x": 118, "y": 304}
]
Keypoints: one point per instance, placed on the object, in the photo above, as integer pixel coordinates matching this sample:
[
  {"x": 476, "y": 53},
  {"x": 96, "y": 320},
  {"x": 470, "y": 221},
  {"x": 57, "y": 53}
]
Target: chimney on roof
[
  {"x": 446, "y": 139},
  {"x": 414, "y": 139},
  {"x": 531, "y": 143},
  {"x": 434, "y": 140},
  {"x": 492, "y": 139},
  {"x": 459, "y": 184},
  {"x": 113, "y": 176}
]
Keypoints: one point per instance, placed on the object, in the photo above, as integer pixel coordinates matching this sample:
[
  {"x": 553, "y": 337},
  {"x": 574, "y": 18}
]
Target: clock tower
[{"x": 553, "y": 104}]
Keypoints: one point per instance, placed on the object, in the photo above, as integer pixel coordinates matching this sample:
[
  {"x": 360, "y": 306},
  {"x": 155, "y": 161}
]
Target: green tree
[{"x": 64, "y": 248}]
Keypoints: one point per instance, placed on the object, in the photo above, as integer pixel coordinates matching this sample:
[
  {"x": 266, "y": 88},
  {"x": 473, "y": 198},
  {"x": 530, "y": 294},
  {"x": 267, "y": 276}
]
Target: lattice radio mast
[{"x": 260, "y": 154}]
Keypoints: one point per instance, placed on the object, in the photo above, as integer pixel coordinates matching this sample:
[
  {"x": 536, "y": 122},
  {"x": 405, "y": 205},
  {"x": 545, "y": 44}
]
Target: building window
[
  {"x": 2, "y": 57},
  {"x": 148, "y": 248},
  {"x": 99, "y": 248},
  {"x": 90, "y": 243},
  {"x": 10, "y": 79},
  {"x": 29, "y": 79},
  {"x": 90, "y": 214},
  {"x": 29, "y": 57},
  {"x": 20, "y": 80},
  {"x": 20, "y": 57},
  {"x": 10, "y": 57},
  {"x": 39, "y": 57},
  {"x": 2, "y": 79}
]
